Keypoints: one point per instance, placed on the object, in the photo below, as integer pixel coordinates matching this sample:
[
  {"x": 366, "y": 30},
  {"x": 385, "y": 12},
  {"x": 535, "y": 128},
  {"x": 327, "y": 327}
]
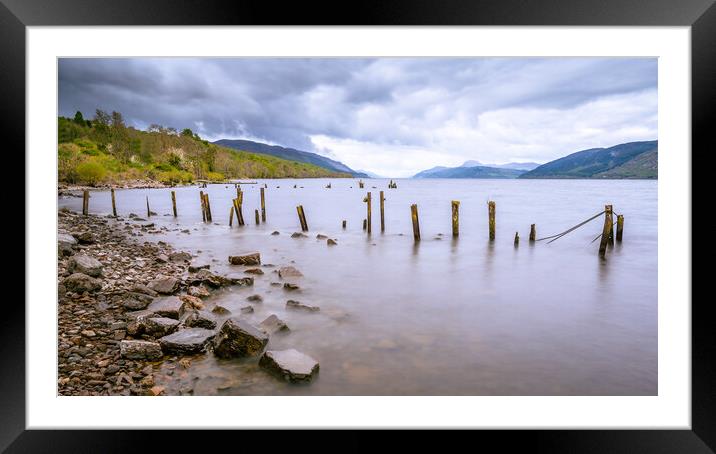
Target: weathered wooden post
[
  {"x": 416, "y": 222},
  {"x": 606, "y": 230},
  {"x": 149, "y": 213},
  {"x": 302, "y": 218},
  {"x": 208, "y": 207},
  {"x": 360, "y": 184},
  {"x": 85, "y": 202},
  {"x": 365, "y": 223},
  {"x": 620, "y": 227},
  {"x": 263, "y": 206},
  {"x": 533, "y": 233},
  {"x": 114, "y": 205},
  {"x": 491, "y": 212},
  {"x": 369, "y": 212},
  {"x": 256, "y": 212},
  {"x": 240, "y": 208},
  {"x": 174, "y": 203},
  {"x": 455, "y": 218},
  {"x": 611, "y": 228},
  {"x": 343, "y": 224},
  {"x": 517, "y": 239},
  {"x": 382, "y": 212},
  {"x": 203, "y": 208},
  {"x": 231, "y": 216}
]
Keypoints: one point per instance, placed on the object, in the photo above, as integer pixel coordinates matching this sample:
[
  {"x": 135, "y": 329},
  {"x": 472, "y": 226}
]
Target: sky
[{"x": 391, "y": 116}]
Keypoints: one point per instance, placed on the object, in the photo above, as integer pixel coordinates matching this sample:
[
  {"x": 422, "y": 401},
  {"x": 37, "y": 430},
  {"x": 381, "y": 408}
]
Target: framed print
[{"x": 415, "y": 216}]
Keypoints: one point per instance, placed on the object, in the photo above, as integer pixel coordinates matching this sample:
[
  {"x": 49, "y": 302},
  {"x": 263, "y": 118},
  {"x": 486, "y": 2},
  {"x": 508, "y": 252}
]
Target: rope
[{"x": 560, "y": 235}]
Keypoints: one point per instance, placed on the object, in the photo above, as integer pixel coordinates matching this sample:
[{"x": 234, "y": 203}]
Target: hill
[
  {"x": 468, "y": 172},
  {"x": 510, "y": 165},
  {"x": 105, "y": 150},
  {"x": 620, "y": 161},
  {"x": 290, "y": 154}
]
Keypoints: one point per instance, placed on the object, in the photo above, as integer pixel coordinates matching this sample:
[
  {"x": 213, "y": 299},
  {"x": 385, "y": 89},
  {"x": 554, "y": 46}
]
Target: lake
[{"x": 444, "y": 316}]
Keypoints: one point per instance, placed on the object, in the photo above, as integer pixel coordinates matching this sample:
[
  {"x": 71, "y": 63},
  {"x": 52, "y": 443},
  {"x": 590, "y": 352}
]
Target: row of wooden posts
[{"x": 608, "y": 235}]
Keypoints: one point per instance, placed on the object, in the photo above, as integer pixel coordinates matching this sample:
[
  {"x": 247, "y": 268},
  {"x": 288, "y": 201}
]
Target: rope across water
[{"x": 560, "y": 235}]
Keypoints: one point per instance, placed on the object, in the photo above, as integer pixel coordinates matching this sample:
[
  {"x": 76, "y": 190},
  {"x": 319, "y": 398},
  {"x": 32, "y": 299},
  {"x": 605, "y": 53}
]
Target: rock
[
  {"x": 84, "y": 237},
  {"x": 137, "y": 315},
  {"x": 141, "y": 288},
  {"x": 220, "y": 310},
  {"x": 195, "y": 268},
  {"x": 80, "y": 283},
  {"x": 179, "y": 257},
  {"x": 254, "y": 271},
  {"x": 238, "y": 338},
  {"x": 273, "y": 324},
  {"x": 292, "y": 304},
  {"x": 248, "y": 259},
  {"x": 165, "y": 285},
  {"x": 190, "y": 340},
  {"x": 290, "y": 286},
  {"x": 275, "y": 232},
  {"x": 159, "y": 326},
  {"x": 255, "y": 298},
  {"x": 298, "y": 235},
  {"x": 321, "y": 236},
  {"x": 136, "y": 301},
  {"x": 331, "y": 242},
  {"x": 66, "y": 244},
  {"x": 139, "y": 349},
  {"x": 192, "y": 301},
  {"x": 199, "y": 291},
  {"x": 88, "y": 333},
  {"x": 162, "y": 258},
  {"x": 215, "y": 280},
  {"x": 242, "y": 281},
  {"x": 168, "y": 306},
  {"x": 247, "y": 309},
  {"x": 288, "y": 271},
  {"x": 201, "y": 319},
  {"x": 291, "y": 365}
]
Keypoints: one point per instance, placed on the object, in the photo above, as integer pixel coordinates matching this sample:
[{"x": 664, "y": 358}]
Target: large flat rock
[
  {"x": 190, "y": 340},
  {"x": 272, "y": 324},
  {"x": 238, "y": 338},
  {"x": 79, "y": 282},
  {"x": 82, "y": 263},
  {"x": 251, "y": 259},
  {"x": 168, "y": 306},
  {"x": 288, "y": 271},
  {"x": 139, "y": 349},
  {"x": 165, "y": 285},
  {"x": 291, "y": 365}
]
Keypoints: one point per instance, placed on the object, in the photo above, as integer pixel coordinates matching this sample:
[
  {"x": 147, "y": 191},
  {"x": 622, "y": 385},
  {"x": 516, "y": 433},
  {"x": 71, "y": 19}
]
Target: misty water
[{"x": 441, "y": 317}]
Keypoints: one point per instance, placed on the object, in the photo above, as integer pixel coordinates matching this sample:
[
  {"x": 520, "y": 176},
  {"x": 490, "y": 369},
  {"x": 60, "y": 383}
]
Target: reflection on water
[{"x": 455, "y": 316}]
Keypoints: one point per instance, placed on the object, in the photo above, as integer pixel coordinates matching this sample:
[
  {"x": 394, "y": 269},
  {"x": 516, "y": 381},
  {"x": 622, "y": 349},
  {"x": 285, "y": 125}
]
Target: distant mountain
[
  {"x": 510, "y": 165},
  {"x": 370, "y": 174},
  {"x": 620, "y": 161},
  {"x": 468, "y": 172},
  {"x": 290, "y": 154}
]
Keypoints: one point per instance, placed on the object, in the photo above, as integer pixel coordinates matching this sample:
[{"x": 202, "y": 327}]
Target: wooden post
[
  {"x": 208, "y": 207},
  {"x": 620, "y": 227},
  {"x": 174, "y": 203},
  {"x": 365, "y": 223},
  {"x": 85, "y": 202},
  {"x": 344, "y": 223},
  {"x": 203, "y": 209},
  {"x": 238, "y": 190},
  {"x": 517, "y": 239},
  {"x": 231, "y": 216},
  {"x": 455, "y": 218},
  {"x": 533, "y": 233},
  {"x": 491, "y": 211},
  {"x": 369, "y": 213},
  {"x": 605, "y": 230},
  {"x": 149, "y": 213},
  {"x": 263, "y": 206},
  {"x": 611, "y": 228},
  {"x": 237, "y": 210},
  {"x": 302, "y": 218},
  {"x": 416, "y": 222},
  {"x": 114, "y": 205},
  {"x": 256, "y": 212},
  {"x": 382, "y": 212}
]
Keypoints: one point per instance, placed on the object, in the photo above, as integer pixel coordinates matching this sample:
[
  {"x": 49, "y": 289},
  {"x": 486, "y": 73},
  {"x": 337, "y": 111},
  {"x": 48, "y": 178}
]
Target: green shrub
[
  {"x": 174, "y": 177},
  {"x": 215, "y": 176},
  {"x": 91, "y": 172}
]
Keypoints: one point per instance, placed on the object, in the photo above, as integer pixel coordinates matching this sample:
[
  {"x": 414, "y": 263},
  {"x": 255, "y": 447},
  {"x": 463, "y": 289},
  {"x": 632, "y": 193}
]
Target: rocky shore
[{"x": 125, "y": 307}]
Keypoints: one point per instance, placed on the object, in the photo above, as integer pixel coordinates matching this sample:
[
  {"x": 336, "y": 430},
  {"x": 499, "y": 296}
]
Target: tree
[
  {"x": 91, "y": 172},
  {"x": 187, "y": 132},
  {"x": 79, "y": 119}
]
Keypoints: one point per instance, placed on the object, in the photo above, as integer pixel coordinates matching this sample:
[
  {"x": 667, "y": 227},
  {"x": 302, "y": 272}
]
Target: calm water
[{"x": 444, "y": 317}]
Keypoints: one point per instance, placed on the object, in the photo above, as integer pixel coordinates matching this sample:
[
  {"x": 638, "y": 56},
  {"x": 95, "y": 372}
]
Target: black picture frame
[{"x": 700, "y": 15}]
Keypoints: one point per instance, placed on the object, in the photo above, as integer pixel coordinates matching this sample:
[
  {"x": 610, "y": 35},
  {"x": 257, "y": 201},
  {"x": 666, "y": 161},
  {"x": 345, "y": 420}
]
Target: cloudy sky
[{"x": 391, "y": 116}]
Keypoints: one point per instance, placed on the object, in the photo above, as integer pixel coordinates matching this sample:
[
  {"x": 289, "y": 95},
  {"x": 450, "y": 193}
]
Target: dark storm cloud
[{"x": 414, "y": 102}]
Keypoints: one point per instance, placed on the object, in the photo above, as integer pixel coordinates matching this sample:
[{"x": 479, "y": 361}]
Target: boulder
[
  {"x": 192, "y": 301},
  {"x": 273, "y": 325},
  {"x": 220, "y": 310},
  {"x": 214, "y": 280},
  {"x": 136, "y": 301},
  {"x": 247, "y": 309},
  {"x": 321, "y": 236},
  {"x": 84, "y": 237},
  {"x": 238, "y": 338},
  {"x": 291, "y": 365},
  {"x": 254, "y": 271},
  {"x": 200, "y": 319},
  {"x": 179, "y": 257},
  {"x": 255, "y": 298},
  {"x": 298, "y": 235},
  {"x": 248, "y": 259},
  {"x": 66, "y": 244},
  {"x": 79, "y": 283},
  {"x": 137, "y": 315},
  {"x": 195, "y": 268},
  {"x": 297, "y": 305},
  {"x": 168, "y": 306},
  {"x": 288, "y": 271},
  {"x": 190, "y": 340},
  {"x": 139, "y": 349},
  {"x": 290, "y": 286},
  {"x": 165, "y": 285},
  {"x": 158, "y": 326},
  {"x": 199, "y": 291},
  {"x": 331, "y": 242},
  {"x": 162, "y": 258},
  {"x": 141, "y": 288}
]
